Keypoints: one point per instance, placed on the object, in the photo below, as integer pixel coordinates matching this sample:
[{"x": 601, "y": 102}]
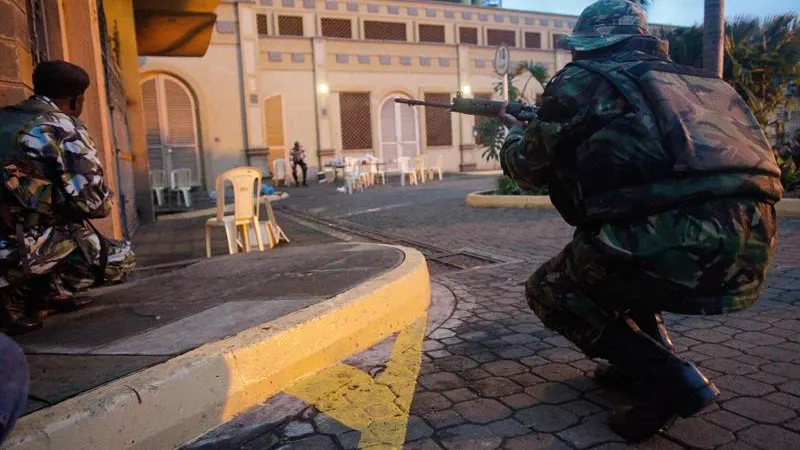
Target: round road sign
[{"x": 502, "y": 59}]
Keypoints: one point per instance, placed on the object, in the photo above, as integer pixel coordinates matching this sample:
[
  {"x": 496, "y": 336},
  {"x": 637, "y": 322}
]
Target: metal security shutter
[
  {"x": 182, "y": 128},
  {"x": 151, "y": 125}
]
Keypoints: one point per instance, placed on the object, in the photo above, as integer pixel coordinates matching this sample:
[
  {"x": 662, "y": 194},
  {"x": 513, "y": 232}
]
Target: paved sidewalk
[{"x": 491, "y": 376}]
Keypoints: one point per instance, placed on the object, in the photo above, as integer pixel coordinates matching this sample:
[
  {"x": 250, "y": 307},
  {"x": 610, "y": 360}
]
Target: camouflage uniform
[
  {"x": 45, "y": 242},
  {"x": 664, "y": 172}
]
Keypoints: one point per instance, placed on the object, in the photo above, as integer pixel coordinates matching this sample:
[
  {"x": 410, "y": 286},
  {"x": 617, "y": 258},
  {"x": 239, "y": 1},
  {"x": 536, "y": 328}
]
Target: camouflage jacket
[
  {"x": 631, "y": 134},
  {"x": 40, "y": 145}
]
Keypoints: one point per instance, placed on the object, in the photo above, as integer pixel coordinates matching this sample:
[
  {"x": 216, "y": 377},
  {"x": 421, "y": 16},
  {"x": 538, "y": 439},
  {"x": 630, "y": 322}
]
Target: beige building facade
[{"x": 325, "y": 73}]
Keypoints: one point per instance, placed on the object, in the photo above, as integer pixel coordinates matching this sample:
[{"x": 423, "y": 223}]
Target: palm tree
[
  {"x": 714, "y": 36},
  {"x": 491, "y": 133}
]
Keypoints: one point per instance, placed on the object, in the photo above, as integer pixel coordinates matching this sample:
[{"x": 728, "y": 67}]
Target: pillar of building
[
  {"x": 250, "y": 52},
  {"x": 120, "y": 12},
  {"x": 83, "y": 46},
  {"x": 325, "y": 145},
  {"x": 465, "y": 123}
]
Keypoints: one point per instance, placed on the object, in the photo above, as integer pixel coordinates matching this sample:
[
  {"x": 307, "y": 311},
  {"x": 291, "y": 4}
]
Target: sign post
[{"x": 502, "y": 61}]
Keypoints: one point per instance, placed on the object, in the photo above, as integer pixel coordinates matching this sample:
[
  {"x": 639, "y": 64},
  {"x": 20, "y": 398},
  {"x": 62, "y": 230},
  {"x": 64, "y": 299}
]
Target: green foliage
[
  {"x": 789, "y": 175},
  {"x": 491, "y": 132},
  {"x": 762, "y": 61},
  {"x": 506, "y": 186}
]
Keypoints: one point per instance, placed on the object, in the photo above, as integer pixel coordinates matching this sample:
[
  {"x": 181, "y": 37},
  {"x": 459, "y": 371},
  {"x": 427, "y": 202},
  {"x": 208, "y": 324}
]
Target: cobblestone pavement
[{"x": 493, "y": 377}]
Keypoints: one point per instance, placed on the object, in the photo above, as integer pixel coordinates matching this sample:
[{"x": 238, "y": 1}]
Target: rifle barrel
[{"x": 421, "y": 103}]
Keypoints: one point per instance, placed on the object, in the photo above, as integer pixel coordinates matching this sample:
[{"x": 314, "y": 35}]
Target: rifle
[{"x": 480, "y": 107}]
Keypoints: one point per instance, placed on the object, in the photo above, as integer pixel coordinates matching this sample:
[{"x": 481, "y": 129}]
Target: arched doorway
[
  {"x": 399, "y": 127},
  {"x": 170, "y": 117}
]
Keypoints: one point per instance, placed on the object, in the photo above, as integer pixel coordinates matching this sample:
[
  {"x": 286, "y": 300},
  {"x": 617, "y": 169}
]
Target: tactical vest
[
  {"x": 12, "y": 120},
  {"x": 711, "y": 146}
]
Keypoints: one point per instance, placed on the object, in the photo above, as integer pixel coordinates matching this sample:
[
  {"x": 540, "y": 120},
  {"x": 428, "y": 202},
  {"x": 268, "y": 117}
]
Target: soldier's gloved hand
[{"x": 507, "y": 119}]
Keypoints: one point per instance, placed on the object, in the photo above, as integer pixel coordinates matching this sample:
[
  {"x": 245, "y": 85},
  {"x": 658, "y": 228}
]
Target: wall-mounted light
[
  {"x": 466, "y": 90},
  {"x": 324, "y": 89}
]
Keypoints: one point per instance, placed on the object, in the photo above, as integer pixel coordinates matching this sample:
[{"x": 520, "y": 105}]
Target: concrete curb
[
  {"x": 175, "y": 402},
  {"x": 788, "y": 207}
]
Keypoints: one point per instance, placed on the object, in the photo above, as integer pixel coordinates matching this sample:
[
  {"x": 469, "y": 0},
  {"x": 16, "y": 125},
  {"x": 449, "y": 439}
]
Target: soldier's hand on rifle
[{"x": 507, "y": 119}]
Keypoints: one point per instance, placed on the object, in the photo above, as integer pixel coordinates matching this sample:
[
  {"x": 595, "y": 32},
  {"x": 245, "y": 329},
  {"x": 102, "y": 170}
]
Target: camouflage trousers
[
  {"x": 66, "y": 264},
  {"x": 710, "y": 258}
]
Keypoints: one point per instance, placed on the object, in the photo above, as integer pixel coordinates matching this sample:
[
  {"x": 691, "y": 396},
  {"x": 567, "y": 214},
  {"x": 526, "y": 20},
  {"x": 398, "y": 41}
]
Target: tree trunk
[{"x": 714, "y": 36}]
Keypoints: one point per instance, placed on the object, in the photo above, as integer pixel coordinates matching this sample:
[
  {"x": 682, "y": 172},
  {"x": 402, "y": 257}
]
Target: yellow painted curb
[
  {"x": 174, "y": 402},
  {"x": 486, "y": 200},
  {"x": 787, "y": 207}
]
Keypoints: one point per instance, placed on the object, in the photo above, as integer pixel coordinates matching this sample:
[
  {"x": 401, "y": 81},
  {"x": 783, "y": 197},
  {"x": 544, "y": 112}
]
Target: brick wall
[{"x": 15, "y": 57}]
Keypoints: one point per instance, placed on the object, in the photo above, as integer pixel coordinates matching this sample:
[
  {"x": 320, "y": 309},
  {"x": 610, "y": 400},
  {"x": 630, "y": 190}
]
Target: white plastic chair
[
  {"x": 181, "y": 182},
  {"x": 435, "y": 169},
  {"x": 375, "y": 171},
  {"x": 279, "y": 172},
  {"x": 271, "y": 228},
  {"x": 353, "y": 178},
  {"x": 245, "y": 209},
  {"x": 158, "y": 184},
  {"x": 407, "y": 169}
]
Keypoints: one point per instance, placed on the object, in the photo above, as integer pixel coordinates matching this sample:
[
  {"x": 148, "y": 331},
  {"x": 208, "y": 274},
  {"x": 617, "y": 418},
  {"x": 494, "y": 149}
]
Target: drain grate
[{"x": 440, "y": 260}]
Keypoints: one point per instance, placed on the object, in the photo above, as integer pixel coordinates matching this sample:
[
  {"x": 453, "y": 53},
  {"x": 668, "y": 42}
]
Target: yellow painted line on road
[{"x": 377, "y": 407}]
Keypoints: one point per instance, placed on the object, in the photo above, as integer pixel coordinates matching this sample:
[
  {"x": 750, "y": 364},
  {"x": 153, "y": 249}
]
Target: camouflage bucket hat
[{"x": 605, "y": 23}]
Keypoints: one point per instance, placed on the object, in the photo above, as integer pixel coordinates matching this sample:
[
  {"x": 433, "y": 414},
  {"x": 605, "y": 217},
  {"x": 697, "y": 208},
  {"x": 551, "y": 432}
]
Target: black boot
[
  {"x": 676, "y": 387},
  {"x": 651, "y": 325},
  {"x": 14, "y": 319}
]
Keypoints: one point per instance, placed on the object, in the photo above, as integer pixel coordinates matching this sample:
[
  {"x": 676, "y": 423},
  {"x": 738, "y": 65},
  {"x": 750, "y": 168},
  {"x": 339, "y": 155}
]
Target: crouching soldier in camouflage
[
  {"x": 671, "y": 185},
  {"x": 51, "y": 183}
]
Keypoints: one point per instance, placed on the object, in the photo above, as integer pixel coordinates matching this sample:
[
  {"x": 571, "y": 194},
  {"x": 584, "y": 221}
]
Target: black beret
[{"x": 59, "y": 80}]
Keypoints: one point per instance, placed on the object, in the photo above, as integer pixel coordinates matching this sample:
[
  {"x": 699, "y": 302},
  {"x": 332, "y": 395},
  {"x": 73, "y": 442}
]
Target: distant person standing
[{"x": 298, "y": 156}]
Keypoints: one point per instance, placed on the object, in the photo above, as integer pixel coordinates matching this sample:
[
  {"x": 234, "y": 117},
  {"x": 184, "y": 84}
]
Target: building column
[
  {"x": 325, "y": 146},
  {"x": 83, "y": 48},
  {"x": 249, "y": 54},
  {"x": 466, "y": 141},
  {"x": 129, "y": 63}
]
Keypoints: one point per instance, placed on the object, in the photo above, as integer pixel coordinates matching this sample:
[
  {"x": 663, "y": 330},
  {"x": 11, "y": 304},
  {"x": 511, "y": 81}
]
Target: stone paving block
[
  {"x": 758, "y": 338},
  {"x": 546, "y": 418},
  {"x": 508, "y": 428},
  {"x": 582, "y": 408},
  {"x": 746, "y": 324},
  {"x": 792, "y": 387},
  {"x": 417, "y": 429},
  {"x": 534, "y": 361},
  {"x": 556, "y": 372},
  {"x": 788, "y": 370},
  {"x": 773, "y": 353},
  {"x": 482, "y": 410},
  {"x": 743, "y": 385},
  {"x": 519, "y": 338},
  {"x": 527, "y": 379},
  {"x": 427, "y": 402},
  {"x": 717, "y": 351},
  {"x": 793, "y": 425},
  {"x": 759, "y": 410},
  {"x": 318, "y": 442},
  {"x": 784, "y": 399},
  {"x": 770, "y": 437},
  {"x": 476, "y": 374},
  {"x": 443, "y": 419},
  {"x": 495, "y": 387},
  {"x": 554, "y": 393},
  {"x": 469, "y": 437},
  {"x": 706, "y": 335},
  {"x": 297, "y": 429},
  {"x": 657, "y": 443},
  {"x": 504, "y": 368},
  {"x": 514, "y": 352},
  {"x": 441, "y": 381},
  {"x": 535, "y": 441},
  {"x": 728, "y": 420},
  {"x": 455, "y": 363},
  {"x": 519, "y": 401},
  {"x": 427, "y": 444},
  {"x": 728, "y": 366},
  {"x": 460, "y": 395},
  {"x": 436, "y": 354},
  {"x": 737, "y": 446},
  {"x": 609, "y": 398},
  {"x": 562, "y": 355},
  {"x": 588, "y": 435},
  {"x": 699, "y": 433}
]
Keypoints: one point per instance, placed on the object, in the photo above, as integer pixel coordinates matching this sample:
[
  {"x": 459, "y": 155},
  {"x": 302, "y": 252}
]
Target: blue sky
[{"x": 674, "y": 12}]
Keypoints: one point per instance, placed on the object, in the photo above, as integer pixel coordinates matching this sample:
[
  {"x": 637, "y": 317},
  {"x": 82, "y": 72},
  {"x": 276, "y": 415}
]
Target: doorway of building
[
  {"x": 170, "y": 116},
  {"x": 399, "y": 127}
]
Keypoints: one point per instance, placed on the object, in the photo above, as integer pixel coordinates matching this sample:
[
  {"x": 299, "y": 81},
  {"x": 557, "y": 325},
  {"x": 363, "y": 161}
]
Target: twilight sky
[{"x": 673, "y": 12}]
